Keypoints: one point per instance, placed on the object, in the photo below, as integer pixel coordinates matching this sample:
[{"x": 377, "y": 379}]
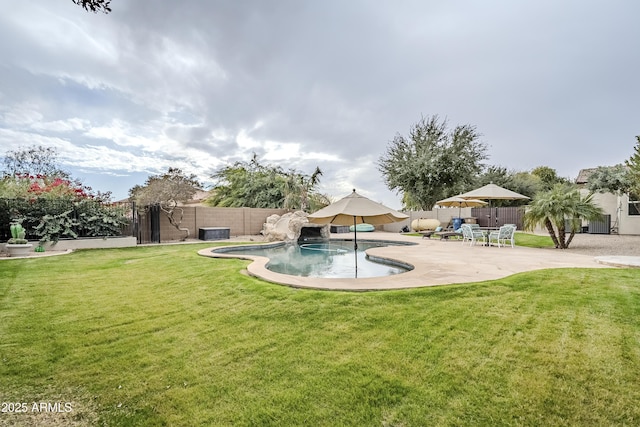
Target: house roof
[
  {"x": 198, "y": 198},
  {"x": 584, "y": 174}
]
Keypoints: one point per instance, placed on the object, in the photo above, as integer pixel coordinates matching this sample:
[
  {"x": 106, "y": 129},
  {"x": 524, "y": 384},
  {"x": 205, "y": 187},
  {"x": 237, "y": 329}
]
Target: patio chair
[
  {"x": 446, "y": 235},
  {"x": 429, "y": 233},
  {"x": 472, "y": 234},
  {"x": 503, "y": 235}
]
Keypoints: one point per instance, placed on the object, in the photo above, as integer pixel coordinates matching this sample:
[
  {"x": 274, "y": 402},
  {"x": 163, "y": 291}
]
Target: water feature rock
[{"x": 288, "y": 227}]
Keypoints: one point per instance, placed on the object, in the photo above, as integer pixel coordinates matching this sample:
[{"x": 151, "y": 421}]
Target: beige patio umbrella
[
  {"x": 492, "y": 192},
  {"x": 460, "y": 203},
  {"x": 356, "y": 209}
]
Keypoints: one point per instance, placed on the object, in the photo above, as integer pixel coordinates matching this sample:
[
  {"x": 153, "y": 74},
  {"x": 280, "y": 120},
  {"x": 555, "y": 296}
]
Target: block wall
[{"x": 241, "y": 221}]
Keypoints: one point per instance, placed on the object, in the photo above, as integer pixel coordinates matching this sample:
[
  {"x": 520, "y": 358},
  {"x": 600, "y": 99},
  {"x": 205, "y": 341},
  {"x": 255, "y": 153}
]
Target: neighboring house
[
  {"x": 624, "y": 211},
  {"x": 198, "y": 198}
]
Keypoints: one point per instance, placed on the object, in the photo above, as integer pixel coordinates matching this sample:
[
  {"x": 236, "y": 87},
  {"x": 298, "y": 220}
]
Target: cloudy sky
[{"x": 199, "y": 84}]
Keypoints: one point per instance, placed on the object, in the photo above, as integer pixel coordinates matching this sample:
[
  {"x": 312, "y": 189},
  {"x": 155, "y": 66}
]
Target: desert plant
[
  {"x": 17, "y": 234},
  {"x": 554, "y": 208}
]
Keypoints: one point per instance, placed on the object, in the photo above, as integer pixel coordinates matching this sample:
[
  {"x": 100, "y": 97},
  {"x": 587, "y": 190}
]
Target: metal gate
[
  {"x": 600, "y": 227},
  {"x": 149, "y": 225}
]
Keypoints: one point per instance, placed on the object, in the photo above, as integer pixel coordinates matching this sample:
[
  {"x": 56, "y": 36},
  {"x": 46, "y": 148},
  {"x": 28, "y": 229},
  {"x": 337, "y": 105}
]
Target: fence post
[{"x": 154, "y": 216}]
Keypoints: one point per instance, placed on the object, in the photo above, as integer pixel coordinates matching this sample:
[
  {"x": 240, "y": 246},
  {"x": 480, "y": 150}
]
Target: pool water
[{"x": 334, "y": 259}]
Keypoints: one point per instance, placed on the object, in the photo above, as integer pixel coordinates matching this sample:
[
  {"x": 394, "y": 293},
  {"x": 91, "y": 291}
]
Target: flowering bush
[
  {"x": 55, "y": 207},
  {"x": 38, "y": 186}
]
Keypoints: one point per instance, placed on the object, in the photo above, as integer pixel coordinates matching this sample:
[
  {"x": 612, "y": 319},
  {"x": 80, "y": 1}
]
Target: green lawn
[
  {"x": 161, "y": 336},
  {"x": 533, "y": 240}
]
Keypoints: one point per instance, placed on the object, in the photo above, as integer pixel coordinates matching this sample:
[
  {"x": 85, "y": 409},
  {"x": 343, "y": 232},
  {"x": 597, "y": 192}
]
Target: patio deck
[{"x": 436, "y": 262}]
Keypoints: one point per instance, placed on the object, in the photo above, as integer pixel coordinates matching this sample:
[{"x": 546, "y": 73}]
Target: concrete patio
[{"x": 435, "y": 262}]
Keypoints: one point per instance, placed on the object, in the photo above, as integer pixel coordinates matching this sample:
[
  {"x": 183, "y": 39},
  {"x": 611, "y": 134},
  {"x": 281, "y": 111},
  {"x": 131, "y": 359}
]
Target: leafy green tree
[
  {"x": 433, "y": 162},
  {"x": 633, "y": 163},
  {"x": 552, "y": 208},
  {"x": 251, "y": 184},
  {"x": 524, "y": 183},
  {"x": 167, "y": 191},
  {"x": 549, "y": 177},
  {"x": 492, "y": 174},
  {"x": 610, "y": 179}
]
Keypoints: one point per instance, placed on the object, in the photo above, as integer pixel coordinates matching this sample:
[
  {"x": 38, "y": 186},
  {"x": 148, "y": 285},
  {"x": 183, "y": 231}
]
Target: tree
[
  {"x": 552, "y": 208},
  {"x": 35, "y": 160},
  {"x": 251, "y": 184},
  {"x": 94, "y": 6},
  {"x": 524, "y": 183},
  {"x": 633, "y": 163},
  {"x": 432, "y": 163},
  {"x": 167, "y": 191},
  {"x": 300, "y": 191},
  {"x": 549, "y": 177},
  {"x": 610, "y": 179}
]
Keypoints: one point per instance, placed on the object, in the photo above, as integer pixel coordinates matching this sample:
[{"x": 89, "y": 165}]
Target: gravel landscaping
[{"x": 605, "y": 244}]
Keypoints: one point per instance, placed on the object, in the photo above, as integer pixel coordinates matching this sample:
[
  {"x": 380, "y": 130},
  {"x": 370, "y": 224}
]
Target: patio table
[{"x": 485, "y": 233}]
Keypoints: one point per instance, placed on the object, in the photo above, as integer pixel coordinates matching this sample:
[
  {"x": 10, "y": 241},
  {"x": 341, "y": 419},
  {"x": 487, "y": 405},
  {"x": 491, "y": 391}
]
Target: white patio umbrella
[
  {"x": 460, "y": 203},
  {"x": 492, "y": 192},
  {"x": 356, "y": 209}
]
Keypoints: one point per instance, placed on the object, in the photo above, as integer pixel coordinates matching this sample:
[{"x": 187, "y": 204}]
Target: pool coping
[{"x": 436, "y": 262}]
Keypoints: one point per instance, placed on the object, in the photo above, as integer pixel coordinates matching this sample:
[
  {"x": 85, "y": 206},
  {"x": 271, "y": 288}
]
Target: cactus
[
  {"x": 15, "y": 229},
  {"x": 18, "y": 234}
]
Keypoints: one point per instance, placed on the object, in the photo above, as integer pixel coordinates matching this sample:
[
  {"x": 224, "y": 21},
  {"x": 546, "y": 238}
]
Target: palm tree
[
  {"x": 553, "y": 207},
  {"x": 300, "y": 190}
]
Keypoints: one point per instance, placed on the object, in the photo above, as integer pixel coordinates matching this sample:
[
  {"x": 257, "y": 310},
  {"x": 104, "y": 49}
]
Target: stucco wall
[
  {"x": 628, "y": 224},
  {"x": 618, "y": 208},
  {"x": 241, "y": 221}
]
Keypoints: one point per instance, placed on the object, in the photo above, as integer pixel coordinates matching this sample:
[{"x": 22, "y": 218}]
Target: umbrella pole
[{"x": 355, "y": 243}]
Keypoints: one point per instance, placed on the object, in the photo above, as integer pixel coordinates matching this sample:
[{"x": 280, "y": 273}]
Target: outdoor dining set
[
  {"x": 474, "y": 234},
  {"x": 503, "y": 236}
]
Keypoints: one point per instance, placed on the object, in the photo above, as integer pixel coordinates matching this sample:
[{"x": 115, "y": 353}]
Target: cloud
[{"x": 201, "y": 84}]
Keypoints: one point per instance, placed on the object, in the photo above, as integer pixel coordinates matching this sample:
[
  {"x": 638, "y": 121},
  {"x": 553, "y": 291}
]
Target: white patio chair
[
  {"x": 503, "y": 235},
  {"x": 472, "y": 234}
]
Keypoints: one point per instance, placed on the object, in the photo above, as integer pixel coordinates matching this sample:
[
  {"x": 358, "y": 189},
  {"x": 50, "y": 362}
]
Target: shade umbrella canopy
[
  {"x": 459, "y": 202},
  {"x": 356, "y": 209},
  {"x": 492, "y": 192}
]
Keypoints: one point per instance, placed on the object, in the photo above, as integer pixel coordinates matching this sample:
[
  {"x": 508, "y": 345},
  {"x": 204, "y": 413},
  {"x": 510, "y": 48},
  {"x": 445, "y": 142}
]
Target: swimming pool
[{"x": 333, "y": 259}]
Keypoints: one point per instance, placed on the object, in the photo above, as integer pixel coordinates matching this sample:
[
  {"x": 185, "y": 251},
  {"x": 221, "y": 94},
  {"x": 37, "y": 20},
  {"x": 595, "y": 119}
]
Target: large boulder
[{"x": 287, "y": 227}]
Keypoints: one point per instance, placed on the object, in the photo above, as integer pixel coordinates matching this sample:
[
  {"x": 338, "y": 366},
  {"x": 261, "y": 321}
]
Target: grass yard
[
  {"x": 533, "y": 240},
  {"x": 158, "y": 336}
]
